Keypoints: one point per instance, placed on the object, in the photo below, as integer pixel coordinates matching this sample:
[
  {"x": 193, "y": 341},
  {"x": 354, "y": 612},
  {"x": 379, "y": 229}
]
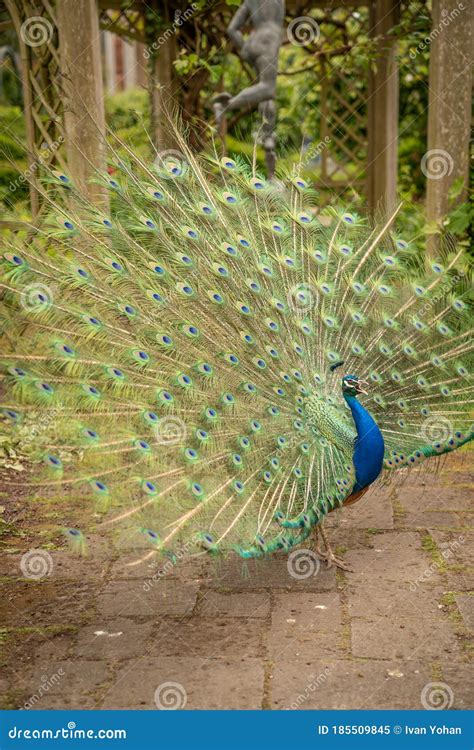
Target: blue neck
[{"x": 368, "y": 447}]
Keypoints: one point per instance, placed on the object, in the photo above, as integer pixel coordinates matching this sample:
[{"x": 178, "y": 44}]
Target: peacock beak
[{"x": 360, "y": 386}]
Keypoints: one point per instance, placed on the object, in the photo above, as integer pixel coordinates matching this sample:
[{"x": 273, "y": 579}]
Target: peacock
[{"x": 211, "y": 364}]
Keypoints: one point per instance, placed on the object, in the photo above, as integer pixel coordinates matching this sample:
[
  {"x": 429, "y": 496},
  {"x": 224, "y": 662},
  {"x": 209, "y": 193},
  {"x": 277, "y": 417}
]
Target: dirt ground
[{"x": 97, "y": 633}]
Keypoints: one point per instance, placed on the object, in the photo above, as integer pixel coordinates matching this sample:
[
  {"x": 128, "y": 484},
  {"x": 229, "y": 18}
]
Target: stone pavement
[{"x": 96, "y": 633}]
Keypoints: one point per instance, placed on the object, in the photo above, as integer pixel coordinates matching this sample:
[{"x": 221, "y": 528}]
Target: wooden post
[
  {"x": 450, "y": 85},
  {"x": 84, "y": 117},
  {"x": 110, "y": 63},
  {"x": 383, "y": 109},
  {"x": 129, "y": 64},
  {"x": 163, "y": 51},
  {"x": 142, "y": 68}
]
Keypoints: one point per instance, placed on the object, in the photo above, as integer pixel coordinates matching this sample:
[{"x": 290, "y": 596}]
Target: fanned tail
[{"x": 167, "y": 353}]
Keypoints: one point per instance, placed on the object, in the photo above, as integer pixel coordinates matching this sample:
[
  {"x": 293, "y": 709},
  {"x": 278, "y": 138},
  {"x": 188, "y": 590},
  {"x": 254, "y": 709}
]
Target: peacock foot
[
  {"x": 329, "y": 556},
  {"x": 333, "y": 560}
]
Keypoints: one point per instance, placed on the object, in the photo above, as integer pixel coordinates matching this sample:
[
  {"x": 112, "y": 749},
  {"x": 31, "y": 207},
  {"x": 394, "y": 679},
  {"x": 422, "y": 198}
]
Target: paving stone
[
  {"x": 128, "y": 566},
  {"x": 457, "y": 547},
  {"x": 455, "y": 464},
  {"x": 60, "y": 564},
  {"x": 340, "y": 535},
  {"x": 460, "y": 561},
  {"x": 35, "y": 647},
  {"x": 155, "y": 569},
  {"x": 459, "y": 679},
  {"x": 72, "y": 678},
  {"x": 36, "y": 603},
  {"x": 19, "y": 679},
  {"x": 459, "y": 580},
  {"x": 62, "y": 702},
  {"x": 205, "y": 624},
  {"x": 55, "y": 648},
  {"x": 423, "y": 519},
  {"x": 197, "y": 684},
  {"x": 210, "y": 637},
  {"x": 246, "y": 604},
  {"x": 394, "y": 603},
  {"x": 68, "y": 566},
  {"x": 374, "y": 510},
  {"x": 10, "y": 566},
  {"x": 422, "y": 476},
  {"x": 435, "y": 498},
  {"x": 117, "y": 639},
  {"x": 465, "y": 604},
  {"x": 401, "y": 635},
  {"x": 342, "y": 684},
  {"x": 272, "y": 573},
  {"x": 162, "y": 598},
  {"x": 306, "y": 625},
  {"x": 131, "y": 540}
]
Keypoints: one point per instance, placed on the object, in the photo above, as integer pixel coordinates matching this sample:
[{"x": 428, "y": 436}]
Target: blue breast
[{"x": 368, "y": 448}]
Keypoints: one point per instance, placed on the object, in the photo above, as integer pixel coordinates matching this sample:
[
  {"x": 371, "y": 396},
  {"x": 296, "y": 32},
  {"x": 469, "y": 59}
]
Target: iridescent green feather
[{"x": 181, "y": 343}]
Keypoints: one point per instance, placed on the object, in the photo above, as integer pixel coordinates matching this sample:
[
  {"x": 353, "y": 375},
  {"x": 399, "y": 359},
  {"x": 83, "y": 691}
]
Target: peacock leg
[
  {"x": 322, "y": 555},
  {"x": 329, "y": 555}
]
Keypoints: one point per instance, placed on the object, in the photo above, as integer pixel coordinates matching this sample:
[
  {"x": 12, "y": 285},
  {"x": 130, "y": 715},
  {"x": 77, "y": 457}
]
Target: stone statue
[{"x": 260, "y": 49}]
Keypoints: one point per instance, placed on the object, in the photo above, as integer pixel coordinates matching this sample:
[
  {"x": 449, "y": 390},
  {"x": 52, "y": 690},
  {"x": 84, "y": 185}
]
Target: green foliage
[
  {"x": 128, "y": 116},
  {"x": 13, "y": 158},
  {"x": 206, "y": 62}
]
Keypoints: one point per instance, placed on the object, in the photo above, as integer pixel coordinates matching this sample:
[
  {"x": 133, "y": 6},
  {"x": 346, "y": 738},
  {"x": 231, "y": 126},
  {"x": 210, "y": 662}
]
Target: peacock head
[{"x": 352, "y": 385}]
